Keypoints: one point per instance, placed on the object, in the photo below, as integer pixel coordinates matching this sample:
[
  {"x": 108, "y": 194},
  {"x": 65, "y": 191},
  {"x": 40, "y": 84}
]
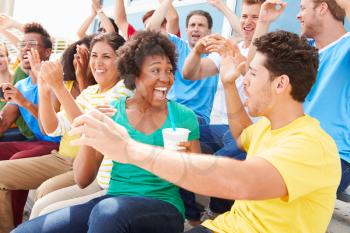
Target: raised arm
[
  {"x": 47, "y": 114},
  {"x": 7, "y": 22},
  {"x": 81, "y": 66},
  {"x": 237, "y": 117},
  {"x": 52, "y": 74},
  {"x": 105, "y": 21},
  {"x": 156, "y": 20},
  {"x": 231, "y": 68},
  {"x": 9, "y": 36},
  {"x": 87, "y": 22},
  {"x": 269, "y": 12},
  {"x": 172, "y": 18},
  {"x": 46, "y": 109},
  {"x": 195, "y": 67},
  {"x": 120, "y": 17},
  {"x": 232, "y": 18}
]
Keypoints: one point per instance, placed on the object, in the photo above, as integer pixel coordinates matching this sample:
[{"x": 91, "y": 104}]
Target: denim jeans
[
  {"x": 345, "y": 177},
  {"x": 117, "y": 214},
  {"x": 192, "y": 210},
  {"x": 218, "y": 140},
  {"x": 199, "y": 229},
  {"x": 12, "y": 134}
]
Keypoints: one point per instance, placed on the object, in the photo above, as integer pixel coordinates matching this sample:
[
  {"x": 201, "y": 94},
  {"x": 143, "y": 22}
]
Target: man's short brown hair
[
  {"x": 39, "y": 29},
  {"x": 337, "y": 12},
  {"x": 288, "y": 54}
]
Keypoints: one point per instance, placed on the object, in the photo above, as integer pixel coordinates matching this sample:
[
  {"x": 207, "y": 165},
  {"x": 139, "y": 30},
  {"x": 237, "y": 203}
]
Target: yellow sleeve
[{"x": 305, "y": 163}]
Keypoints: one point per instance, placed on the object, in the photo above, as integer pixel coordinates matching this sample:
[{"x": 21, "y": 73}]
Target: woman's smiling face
[
  {"x": 155, "y": 79},
  {"x": 103, "y": 64}
]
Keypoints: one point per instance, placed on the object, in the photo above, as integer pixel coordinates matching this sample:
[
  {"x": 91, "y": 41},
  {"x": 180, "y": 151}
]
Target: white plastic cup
[{"x": 171, "y": 138}]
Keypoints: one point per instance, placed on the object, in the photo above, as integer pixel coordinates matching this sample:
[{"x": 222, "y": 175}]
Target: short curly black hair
[
  {"x": 288, "y": 54},
  {"x": 39, "y": 29},
  {"x": 133, "y": 53}
]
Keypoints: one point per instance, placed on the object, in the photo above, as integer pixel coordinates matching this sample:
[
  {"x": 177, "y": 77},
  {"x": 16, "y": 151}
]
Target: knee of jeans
[
  {"x": 111, "y": 206},
  {"x": 110, "y": 213}
]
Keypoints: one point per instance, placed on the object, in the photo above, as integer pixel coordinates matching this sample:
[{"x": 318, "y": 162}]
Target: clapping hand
[
  {"x": 35, "y": 62},
  {"x": 52, "y": 74},
  {"x": 229, "y": 73},
  {"x": 81, "y": 66}
]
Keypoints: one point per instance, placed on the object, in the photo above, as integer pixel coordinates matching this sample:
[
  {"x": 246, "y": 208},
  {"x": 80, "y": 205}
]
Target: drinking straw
[{"x": 171, "y": 116}]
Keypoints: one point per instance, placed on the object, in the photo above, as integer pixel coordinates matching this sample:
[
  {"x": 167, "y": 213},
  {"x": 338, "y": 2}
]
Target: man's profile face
[
  {"x": 196, "y": 29},
  {"x": 257, "y": 87},
  {"x": 309, "y": 23}
]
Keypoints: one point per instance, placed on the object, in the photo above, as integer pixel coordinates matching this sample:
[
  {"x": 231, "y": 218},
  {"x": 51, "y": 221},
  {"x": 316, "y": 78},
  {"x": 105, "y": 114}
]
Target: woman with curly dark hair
[{"x": 137, "y": 200}]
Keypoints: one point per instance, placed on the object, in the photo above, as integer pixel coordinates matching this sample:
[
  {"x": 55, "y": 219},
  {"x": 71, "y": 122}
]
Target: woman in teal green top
[{"x": 137, "y": 201}]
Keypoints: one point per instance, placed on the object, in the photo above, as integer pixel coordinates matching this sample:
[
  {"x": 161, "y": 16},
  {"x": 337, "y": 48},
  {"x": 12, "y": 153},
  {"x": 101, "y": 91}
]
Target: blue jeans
[
  {"x": 192, "y": 210},
  {"x": 110, "y": 214},
  {"x": 201, "y": 121},
  {"x": 199, "y": 229},
  {"x": 12, "y": 134},
  {"x": 218, "y": 140},
  {"x": 345, "y": 177}
]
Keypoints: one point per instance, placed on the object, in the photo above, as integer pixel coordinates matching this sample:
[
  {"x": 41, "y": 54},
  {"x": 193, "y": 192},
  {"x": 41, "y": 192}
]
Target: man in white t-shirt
[{"x": 216, "y": 138}]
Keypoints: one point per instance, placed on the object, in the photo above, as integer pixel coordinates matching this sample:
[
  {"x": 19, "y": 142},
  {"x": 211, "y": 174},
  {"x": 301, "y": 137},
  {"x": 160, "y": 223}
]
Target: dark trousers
[
  {"x": 110, "y": 214},
  {"x": 218, "y": 140},
  {"x": 345, "y": 177},
  {"x": 199, "y": 229}
]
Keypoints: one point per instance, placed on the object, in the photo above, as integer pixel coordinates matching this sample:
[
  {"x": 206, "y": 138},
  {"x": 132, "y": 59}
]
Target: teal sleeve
[
  {"x": 186, "y": 118},
  {"x": 194, "y": 128},
  {"x": 116, "y": 104}
]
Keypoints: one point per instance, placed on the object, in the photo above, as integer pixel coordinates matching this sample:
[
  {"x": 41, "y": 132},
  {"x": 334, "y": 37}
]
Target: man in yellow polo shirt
[{"x": 289, "y": 180}]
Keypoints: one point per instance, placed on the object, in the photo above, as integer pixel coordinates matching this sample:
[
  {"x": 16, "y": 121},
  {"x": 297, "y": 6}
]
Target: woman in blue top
[{"x": 137, "y": 201}]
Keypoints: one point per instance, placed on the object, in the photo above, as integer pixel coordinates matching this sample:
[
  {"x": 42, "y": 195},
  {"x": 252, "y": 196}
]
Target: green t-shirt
[
  {"x": 21, "y": 124},
  {"x": 19, "y": 75},
  {"x": 129, "y": 180}
]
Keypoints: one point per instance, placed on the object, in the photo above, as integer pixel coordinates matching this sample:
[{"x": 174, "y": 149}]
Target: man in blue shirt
[
  {"x": 22, "y": 99},
  {"x": 328, "y": 100}
]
